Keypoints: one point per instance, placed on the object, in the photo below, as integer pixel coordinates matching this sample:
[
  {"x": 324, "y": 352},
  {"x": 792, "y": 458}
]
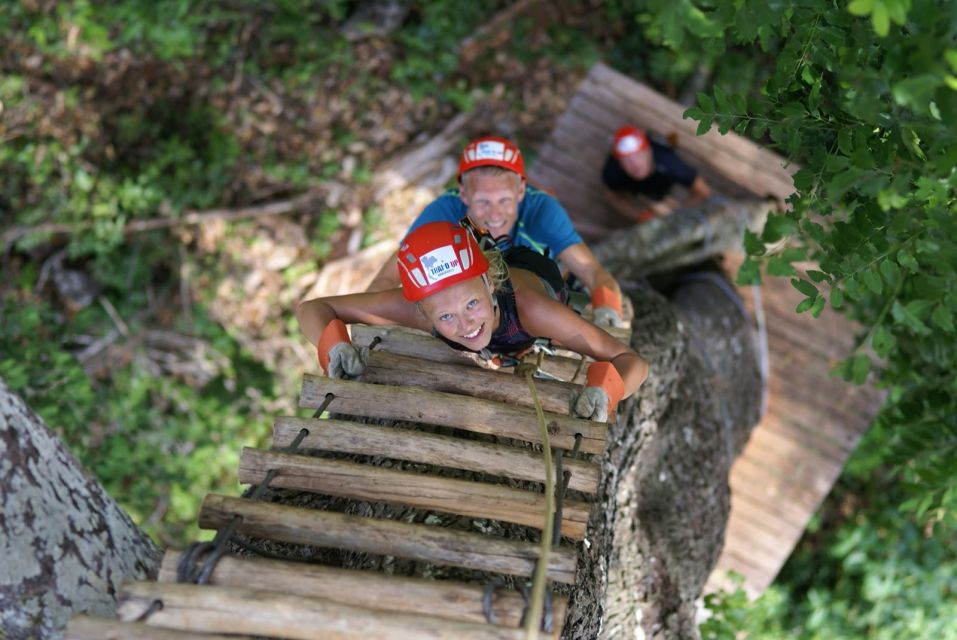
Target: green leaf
[
  {"x": 852, "y": 288},
  {"x": 890, "y": 271},
  {"x": 882, "y": 340},
  {"x": 903, "y": 316},
  {"x": 704, "y": 126},
  {"x": 804, "y": 287},
  {"x": 907, "y": 261},
  {"x": 880, "y": 19},
  {"x": 804, "y": 305},
  {"x": 706, "y": 103},
  {"x": 861, "y": 7},
  {"x": 778, "y": 266},
  {"x": 860, "y": 367},
  {"x": 753, "y": 244},
  {"x": 749, "y": 273},
  {"x": 837, "y": 297},
  {"x": 873, "y": 281},
  {"x": 943, "y": 318},
  {"x": 817, "y": 276},
  {"x": 818, "y": 306}
]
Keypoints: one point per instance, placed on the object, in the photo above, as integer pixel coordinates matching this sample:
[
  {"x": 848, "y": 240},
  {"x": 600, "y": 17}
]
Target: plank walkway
[
  {"x": 470, "y": 419},
  {"x": 813, "y": 421}
]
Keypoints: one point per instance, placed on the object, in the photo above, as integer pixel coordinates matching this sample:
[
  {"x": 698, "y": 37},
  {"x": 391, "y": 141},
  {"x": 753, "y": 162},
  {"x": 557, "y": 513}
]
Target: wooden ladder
[{"x": 411, "y": 377}]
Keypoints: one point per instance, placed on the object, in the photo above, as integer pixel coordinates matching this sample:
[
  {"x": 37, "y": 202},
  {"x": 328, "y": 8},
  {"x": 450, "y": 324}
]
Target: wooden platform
[{"x": 813, "y": 421}]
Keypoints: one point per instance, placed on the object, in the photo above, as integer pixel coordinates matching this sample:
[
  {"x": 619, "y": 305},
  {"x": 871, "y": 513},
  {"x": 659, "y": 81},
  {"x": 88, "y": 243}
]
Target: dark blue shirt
[{"x": 669, "y": 170}]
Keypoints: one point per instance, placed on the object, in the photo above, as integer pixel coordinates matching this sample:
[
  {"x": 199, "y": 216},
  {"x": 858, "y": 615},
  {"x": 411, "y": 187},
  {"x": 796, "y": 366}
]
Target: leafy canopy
[{"x": 863, "y": 99}]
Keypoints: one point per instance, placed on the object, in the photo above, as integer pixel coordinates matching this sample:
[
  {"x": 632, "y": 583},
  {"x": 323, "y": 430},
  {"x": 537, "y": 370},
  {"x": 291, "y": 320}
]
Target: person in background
[
  {"x": 495, "y": 195},
  {"x": 639, "y": 166},
  {"x": 474, "y": 302}
]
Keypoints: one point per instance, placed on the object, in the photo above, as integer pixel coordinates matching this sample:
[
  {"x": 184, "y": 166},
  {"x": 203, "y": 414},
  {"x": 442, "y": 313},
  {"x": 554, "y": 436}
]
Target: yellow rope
[{"x": 534, "y": 619}]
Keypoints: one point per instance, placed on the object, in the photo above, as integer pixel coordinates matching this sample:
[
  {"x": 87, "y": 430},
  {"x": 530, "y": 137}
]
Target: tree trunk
[{"x": 65, "y": 545}]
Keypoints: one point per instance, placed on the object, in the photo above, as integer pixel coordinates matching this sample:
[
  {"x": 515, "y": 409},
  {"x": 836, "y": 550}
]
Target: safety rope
[{"x": 533, "y": 619}]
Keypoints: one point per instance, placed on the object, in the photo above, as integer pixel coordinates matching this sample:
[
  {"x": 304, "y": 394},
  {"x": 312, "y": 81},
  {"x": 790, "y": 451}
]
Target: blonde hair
[
  {"x": 497, "y": 268},
  {"x": 491, "y": 170}
]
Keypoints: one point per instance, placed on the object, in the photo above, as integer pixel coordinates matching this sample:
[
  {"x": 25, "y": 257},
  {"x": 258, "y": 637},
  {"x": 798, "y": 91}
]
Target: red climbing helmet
[
  {"x": 435, "y": 256},
  {"x": 629, "y": 140},
  {"x": 490, "y": 151}
]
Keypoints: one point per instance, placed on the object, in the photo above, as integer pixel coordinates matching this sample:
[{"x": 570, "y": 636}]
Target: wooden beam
[
  {"x": 424, "y": 543},
  {"x": 409, "y": 342},
  {"x": 83, "y": 627},
  {"x": 450, "y": 410},
  {"x": 428, "y": 448},
  {"x": 398, "y": 370},
  {"x": 265, "y": 613},
  {"x": 422, "y": 491},
  {"x": 459, "y": 600}
]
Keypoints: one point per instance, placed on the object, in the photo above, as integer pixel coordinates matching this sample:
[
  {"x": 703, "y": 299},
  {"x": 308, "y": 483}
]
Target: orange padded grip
[
  {"x": 604, "y": 375},
  {"x": 606, "y": 297},
  {"x": 334, "y": 333}
]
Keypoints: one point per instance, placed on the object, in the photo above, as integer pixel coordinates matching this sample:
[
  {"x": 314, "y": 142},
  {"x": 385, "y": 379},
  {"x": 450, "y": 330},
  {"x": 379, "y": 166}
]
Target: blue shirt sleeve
[{"x": 544, "y": 224}]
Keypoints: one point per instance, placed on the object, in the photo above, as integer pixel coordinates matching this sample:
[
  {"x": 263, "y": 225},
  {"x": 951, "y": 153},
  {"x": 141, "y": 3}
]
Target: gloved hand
[
  {"x": 591, "y": 404},
  {"x": 608, "y": 317},
  {"x": 607, "y": 307},
  {"x": 338, "y": 357},
  {"x": 346, "y": 359},
  {"x": 604, "y": 388}
]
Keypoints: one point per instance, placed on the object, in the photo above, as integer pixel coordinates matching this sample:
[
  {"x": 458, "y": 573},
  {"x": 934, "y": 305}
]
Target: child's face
[
  {"x": 493, "y": 200},
  {"x": 463, "y": 313}
]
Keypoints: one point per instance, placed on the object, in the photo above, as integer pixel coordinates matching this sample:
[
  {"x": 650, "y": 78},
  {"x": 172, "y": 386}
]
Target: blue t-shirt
[{"x": 543, "y": 224}]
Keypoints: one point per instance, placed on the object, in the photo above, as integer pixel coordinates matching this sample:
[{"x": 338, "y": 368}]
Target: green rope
[{"x": 537, "y": 600}]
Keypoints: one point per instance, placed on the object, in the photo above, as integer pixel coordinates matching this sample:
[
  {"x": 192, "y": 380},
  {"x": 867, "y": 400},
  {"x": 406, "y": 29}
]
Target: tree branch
[{"x": 151, "y": 224}]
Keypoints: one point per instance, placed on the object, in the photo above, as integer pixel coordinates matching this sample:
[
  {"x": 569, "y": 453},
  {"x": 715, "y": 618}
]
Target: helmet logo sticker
[
  {"x": 629, "y": 145},
  {"x": 440, "y": 264},
  {"x": 490, "y": 150}
]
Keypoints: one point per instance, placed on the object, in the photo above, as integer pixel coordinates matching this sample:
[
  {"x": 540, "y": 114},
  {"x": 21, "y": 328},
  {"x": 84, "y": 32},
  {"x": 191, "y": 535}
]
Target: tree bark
[{"x": 65, "y": 545}]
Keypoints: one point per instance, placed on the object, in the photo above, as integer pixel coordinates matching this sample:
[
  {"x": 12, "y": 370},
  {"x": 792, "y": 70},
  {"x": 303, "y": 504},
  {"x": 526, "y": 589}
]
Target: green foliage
[
  {"x": 867, "y": 108},
  {"x": 860, "y": 572},
  {"x": 157, "y": 444}
]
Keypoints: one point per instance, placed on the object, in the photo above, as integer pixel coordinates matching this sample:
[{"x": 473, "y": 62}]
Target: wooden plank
[
  {"x": 457, "y": 600},
  {"x": 778, "y": 424},
  {"x": 770, "y": 500},
  {"x": 429, "y": 448},
  {"x": 377, "y": 484},
  {"x": 827, "y": 425},
  {"x": 413, "y": 541},
  {"x": 83, "y": 627},
  {"x": 781, "y": 485},
  {"x": 409, "y": 342},
  {"x": 398, "y": 370},
  {"x": 450, "y": 410},
  {"x": 265, "y": 613}
]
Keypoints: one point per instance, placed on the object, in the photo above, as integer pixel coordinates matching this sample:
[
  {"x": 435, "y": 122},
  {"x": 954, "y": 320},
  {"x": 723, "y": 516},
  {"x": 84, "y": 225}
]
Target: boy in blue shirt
[{"x": 495, "y": 196}]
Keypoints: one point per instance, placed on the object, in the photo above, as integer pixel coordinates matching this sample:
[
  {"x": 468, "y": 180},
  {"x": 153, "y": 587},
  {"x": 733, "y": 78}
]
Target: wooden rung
[
  {"x": 456, "y": 600},
  {"x": 410, "y": 342},
  {"x": 265, "y": 613},
  {"x": 419, "y": 542},
  {"x": 398, "y": 370},
  {"x": 82, "y": 627},
  {"x": 450, "y": 410},
  {"x": 346, "y": 479},
  {"x": 428, "y": 448}
]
